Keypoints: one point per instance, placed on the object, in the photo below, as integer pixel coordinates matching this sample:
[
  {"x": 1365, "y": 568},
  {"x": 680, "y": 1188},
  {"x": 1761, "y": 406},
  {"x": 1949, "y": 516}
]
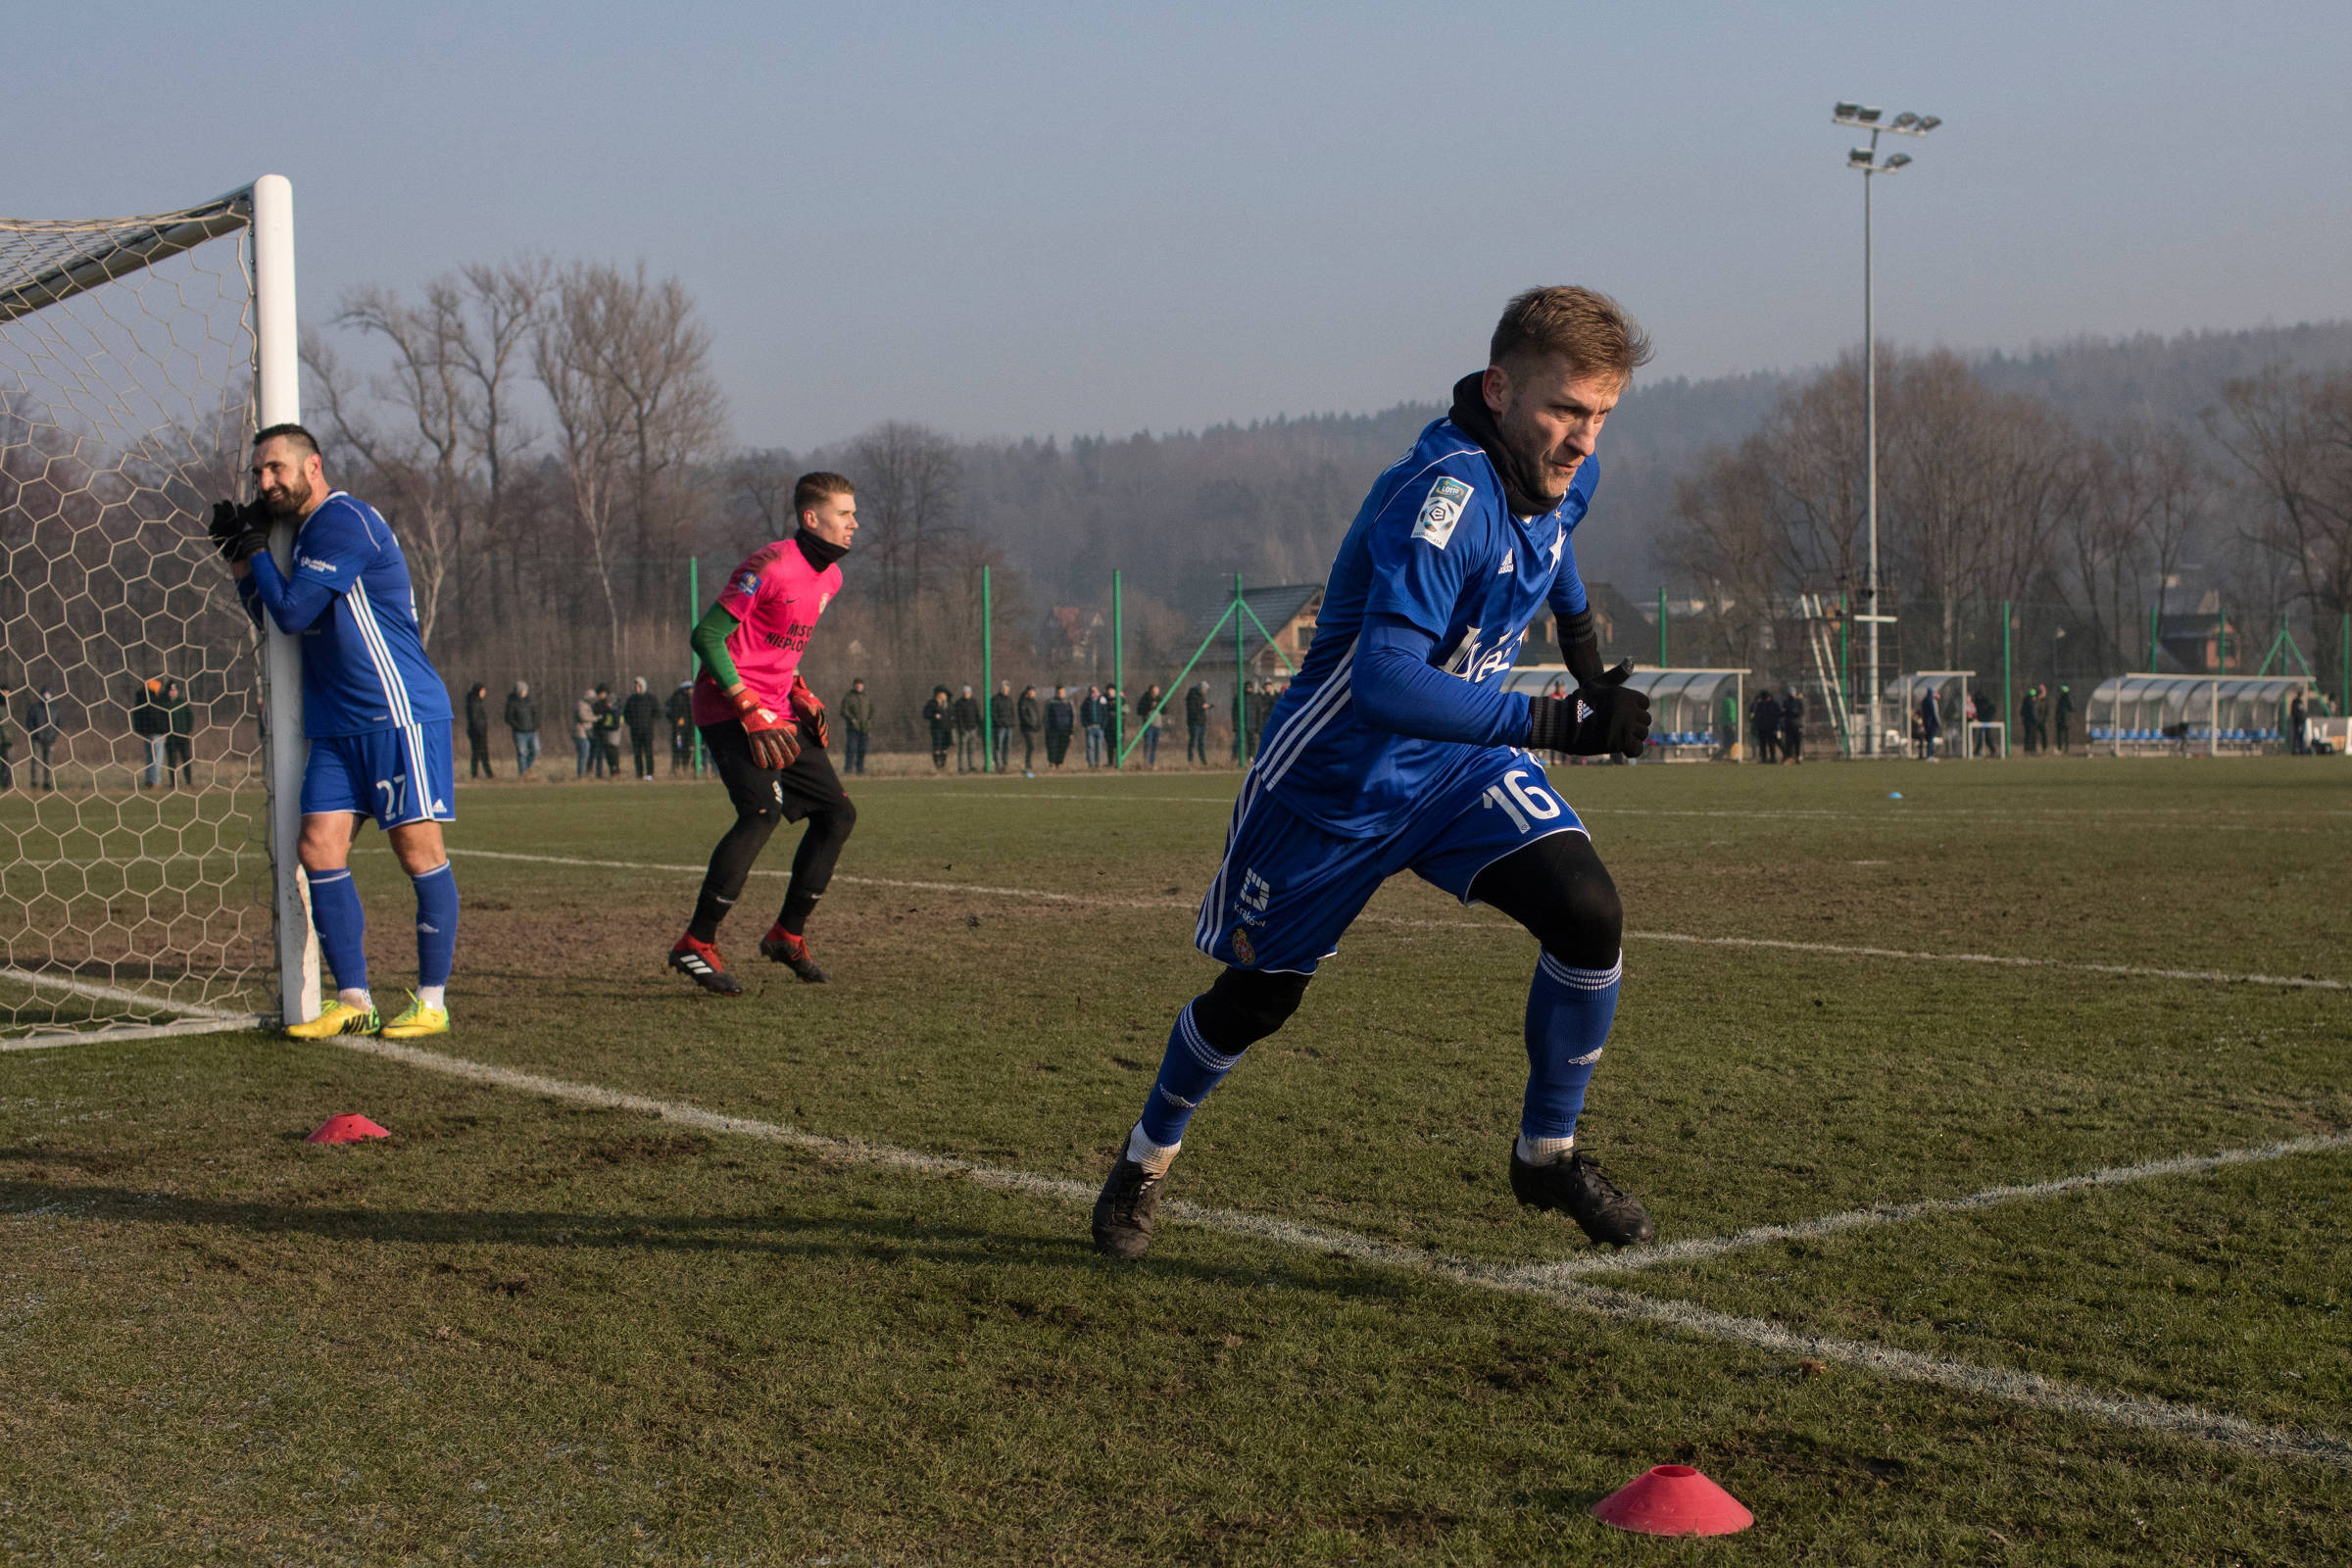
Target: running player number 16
[{"x": 1521, "y": 800}]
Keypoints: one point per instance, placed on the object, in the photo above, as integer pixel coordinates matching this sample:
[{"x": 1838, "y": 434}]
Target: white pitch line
[
  {"x": 2016, "y": 1387},
  {"x": 1703, "y": 1249},
  {"x": 1778, "y": 944}
]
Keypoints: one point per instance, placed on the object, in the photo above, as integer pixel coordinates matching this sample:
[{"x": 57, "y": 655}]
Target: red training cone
[
  {"x": 1673, "y": 1499},
  {"x": 347, "y": 1129}
]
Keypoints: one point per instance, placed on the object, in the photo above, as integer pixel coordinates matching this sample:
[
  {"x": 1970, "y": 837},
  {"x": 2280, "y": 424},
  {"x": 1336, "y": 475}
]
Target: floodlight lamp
[
  {"x": 1866, "y": 115},
  {"x": 1848, "y": 110},
  {"x": 1899, "y": 160},
  {"x": 1905, "y": 120},
  {"x": 1929, "y": 122},
  {"x": 1858, "y": 158}
]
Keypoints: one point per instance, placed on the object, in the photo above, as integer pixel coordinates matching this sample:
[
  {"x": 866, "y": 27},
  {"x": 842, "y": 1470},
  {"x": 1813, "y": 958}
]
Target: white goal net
[{"x": 136, "y": 885}]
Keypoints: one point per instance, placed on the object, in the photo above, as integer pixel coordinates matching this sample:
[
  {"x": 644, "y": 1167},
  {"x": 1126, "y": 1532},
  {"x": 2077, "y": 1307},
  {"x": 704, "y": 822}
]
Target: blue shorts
[
  {"x": 402, "y": 774},
  {"x": 1288, "y": 888}
]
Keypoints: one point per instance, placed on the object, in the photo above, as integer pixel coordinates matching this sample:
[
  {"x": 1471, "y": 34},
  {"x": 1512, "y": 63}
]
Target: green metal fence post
[
  {"x": 988, "y": 676},
  {"x": 2008, "y": 712},
  {"x": 2152, "y": 639},
  {"x": 1662, "y": 660},
  {"x": 694, "y": 664},
  {"x": 2343, "y": 646},
  {"x": 1240, "y": 682},
  {"x": 1118, "y": 667},
  {"x": 2220, "y": 639}
]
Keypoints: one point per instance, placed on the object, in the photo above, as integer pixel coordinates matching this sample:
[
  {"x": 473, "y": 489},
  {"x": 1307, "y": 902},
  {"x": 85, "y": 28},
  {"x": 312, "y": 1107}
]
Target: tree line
[{"x": 1989, "y": 496}]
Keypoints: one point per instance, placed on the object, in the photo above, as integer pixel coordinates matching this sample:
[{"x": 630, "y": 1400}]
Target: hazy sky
[{"x": 1006, "y": 221}]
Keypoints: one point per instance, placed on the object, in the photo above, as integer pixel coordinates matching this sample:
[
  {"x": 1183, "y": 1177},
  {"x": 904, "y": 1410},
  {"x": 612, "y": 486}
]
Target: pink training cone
[
  {"x": 1673, "y": 1499},
  {"x": 346, "y": 1129}
]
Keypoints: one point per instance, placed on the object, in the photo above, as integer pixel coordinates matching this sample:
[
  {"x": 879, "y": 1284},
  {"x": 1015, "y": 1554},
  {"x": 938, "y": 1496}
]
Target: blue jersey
[
  {"x": 1435, "y": 546},
  {"x": 364, "y": 664}
]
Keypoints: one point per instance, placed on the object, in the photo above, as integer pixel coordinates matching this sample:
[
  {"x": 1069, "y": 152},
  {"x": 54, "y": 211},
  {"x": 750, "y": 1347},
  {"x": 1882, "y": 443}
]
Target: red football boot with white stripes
[
  {"x": 699, "y": 962},
  {"x": 793, "y": 952}
]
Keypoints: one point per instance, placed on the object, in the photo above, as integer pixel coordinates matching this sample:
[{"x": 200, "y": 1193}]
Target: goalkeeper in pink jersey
[{"x": 766, "y": 733}]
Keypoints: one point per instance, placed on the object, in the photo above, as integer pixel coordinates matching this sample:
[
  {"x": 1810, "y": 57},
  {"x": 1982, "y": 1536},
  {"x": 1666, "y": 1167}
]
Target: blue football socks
[
  {"x": 341, "y": 924},
  {"x": 1190, "y": 1069},
  {"x": 437, "y": 925},
  {"x": 1569, "y": 1012}
]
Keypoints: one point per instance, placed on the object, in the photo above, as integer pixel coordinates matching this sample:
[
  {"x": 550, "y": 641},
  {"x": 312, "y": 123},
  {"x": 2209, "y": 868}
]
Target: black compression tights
[
  {"x": 812, "y": 865},
  {"x": 1558, "y": 888}
]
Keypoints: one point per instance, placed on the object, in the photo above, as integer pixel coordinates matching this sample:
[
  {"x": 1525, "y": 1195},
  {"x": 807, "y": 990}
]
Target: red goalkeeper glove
[
  {"x": 810, "y": 711},
  {"x": 774, "y": 747}
]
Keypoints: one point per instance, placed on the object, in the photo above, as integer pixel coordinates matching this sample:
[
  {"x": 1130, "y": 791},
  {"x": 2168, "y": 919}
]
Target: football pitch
[{"x": 1999, "y": 1138}]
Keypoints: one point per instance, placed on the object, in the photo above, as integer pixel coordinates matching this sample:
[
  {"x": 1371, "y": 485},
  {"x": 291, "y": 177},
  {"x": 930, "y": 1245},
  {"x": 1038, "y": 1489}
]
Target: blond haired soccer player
[
  {"x": 1398, "y": 748},
  {"x": 766, "y": 730}
]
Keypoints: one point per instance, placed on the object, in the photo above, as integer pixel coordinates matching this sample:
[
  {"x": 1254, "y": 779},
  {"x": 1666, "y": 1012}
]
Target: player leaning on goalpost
[
  {"x": 766, "y": 730},
  {"x": 1396, "y": 749},
  {"x": 374, "y": 711}
]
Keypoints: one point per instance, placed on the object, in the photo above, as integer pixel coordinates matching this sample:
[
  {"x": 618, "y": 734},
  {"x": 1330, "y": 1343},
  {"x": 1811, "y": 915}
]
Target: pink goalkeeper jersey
[{"x": 777, "y": 596}]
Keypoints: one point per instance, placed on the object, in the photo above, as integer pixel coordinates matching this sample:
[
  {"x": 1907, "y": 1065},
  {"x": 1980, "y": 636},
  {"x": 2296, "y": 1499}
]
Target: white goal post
[{"x": 154, "y": 737}]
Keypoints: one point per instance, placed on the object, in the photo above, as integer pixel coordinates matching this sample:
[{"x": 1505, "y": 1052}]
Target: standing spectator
[
  {"x": 1147, "y": 714},
  {"x": 967, "y": 733},
  {"x": 1196, "y": 723},
  {"x": 642, "y": 713},
  {"x": 180, "y": 734},
  {"x": 1764, "y": 722},
  {"x": 523, "y": 722},
  {"x": 605, "y": 722},
  {"x": 40, "y": 733},
  {"x": 583, "y": 734},
  {"x": 680, "y": 711},
  {"x": 857, "y": 716},
  {"x": 1059, "y": 719},
  {"x": 1261, "y": 711},
  {"x": 1114, "y": 724},
  {"x": 1089, "y": 719},
  {"x": 1033, "y": 718},
  {"x": 478, "y": 732},
  {"x": 2296, "y": 717},
  {"x": 8, "y": 744},
  {"x": 1980, "y": 714},
  {"x": 937, "y": 712},
  {"x": 150, "y": 724},
  {"x": 2065, "y": 715},
  {"x": 2028, "y": 721},
  {"x": 1931, "y": 721},
  {"x": 1792, "y": 726},
  {"x": 1000, "y": 725}
]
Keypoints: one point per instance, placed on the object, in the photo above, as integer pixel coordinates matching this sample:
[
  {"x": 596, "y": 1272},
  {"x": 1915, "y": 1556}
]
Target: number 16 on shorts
[{"x": 1529, "y": 803}]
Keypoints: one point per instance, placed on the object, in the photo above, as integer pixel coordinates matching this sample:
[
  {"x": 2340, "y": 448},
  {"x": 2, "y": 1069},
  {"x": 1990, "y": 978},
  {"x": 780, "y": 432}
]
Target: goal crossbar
[{"x": 119, "y": 253}]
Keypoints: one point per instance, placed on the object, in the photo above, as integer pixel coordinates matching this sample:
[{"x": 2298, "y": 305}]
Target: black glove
[
  {"x": 1602, "y": 717},
  {"x": 240, "y": 532}
]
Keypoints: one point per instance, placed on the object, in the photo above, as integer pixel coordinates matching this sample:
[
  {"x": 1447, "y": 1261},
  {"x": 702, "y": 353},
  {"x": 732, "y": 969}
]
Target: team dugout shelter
[
  {"x": 2152, "y": 716},
  {"x": 1687, "y": 719}
]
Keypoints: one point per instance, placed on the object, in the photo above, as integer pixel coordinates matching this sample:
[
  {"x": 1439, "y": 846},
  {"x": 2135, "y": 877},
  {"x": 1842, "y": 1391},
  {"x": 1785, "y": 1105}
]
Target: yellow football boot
[
  {"x": 418, "y": 1020},
  {"x": 338, "y": 1017}
]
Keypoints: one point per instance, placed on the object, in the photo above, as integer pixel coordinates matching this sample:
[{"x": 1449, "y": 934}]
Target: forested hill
[{"x": 1271, "y": 499}]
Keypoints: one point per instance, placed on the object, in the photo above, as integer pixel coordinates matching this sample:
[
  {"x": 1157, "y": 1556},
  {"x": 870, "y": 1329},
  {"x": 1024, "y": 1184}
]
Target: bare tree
[
  {"x": 2142, "y": 494},
  {"x": 907, "y": 509},
  {"x": 569, "y": 351},
  {"x": 2291, "y": 438}
]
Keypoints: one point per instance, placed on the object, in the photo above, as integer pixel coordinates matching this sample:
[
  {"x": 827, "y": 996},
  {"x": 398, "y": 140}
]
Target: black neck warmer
[
  {"x": 1470, "y": 413},
  {"x": 818, "y": 553}
]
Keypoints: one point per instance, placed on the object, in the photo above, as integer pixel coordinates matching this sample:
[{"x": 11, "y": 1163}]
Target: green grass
[{"x": 528, "y": 1331}]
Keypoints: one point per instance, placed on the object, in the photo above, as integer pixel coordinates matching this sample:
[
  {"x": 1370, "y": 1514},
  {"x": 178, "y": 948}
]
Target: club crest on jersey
[
  {"x": 1242, "y": 948},
  {"x": 1442, "y": 510},
  {"x": 747, "y": 582}
]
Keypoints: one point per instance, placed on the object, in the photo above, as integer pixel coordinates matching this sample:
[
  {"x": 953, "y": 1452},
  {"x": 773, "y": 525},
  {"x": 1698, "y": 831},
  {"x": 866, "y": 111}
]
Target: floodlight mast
[{"x": 1862, "y": 117}]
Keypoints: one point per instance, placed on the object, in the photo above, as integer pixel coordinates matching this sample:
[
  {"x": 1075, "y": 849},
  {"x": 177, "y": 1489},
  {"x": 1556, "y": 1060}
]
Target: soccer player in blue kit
[
  {"x": 1397, "y": 750},
  {"x": 374, "y": 710}
]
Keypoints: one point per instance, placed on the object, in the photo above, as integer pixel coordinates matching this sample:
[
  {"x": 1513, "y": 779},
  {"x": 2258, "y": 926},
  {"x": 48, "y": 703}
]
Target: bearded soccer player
[
  {"x": 374, "y": 711},
  {"x": 767, "y": 731},
  {"x": 1396, "y": 748}
]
